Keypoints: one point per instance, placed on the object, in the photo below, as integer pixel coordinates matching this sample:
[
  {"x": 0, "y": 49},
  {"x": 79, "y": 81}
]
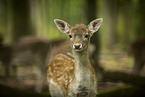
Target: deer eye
[
  {"x": 86, "y": 36},
  {"x": 70, "y": 36}
]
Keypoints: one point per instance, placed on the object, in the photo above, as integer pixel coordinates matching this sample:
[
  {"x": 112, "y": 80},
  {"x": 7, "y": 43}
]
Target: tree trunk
[
  {"x": 127, "y": 15},
  {"x": 21, "y": 19},
  {"x": 112, "y": 11},
  {"x": 140, "y": 32},
  {"x": 91, "y": 15}
]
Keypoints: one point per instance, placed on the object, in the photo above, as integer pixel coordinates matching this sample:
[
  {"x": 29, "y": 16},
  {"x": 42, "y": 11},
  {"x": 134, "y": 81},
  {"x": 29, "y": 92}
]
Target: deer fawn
[
  {"x": 32, "y": 50},
  {"x": 138, "y": 51},
  {"x": 71, "y": 75}
]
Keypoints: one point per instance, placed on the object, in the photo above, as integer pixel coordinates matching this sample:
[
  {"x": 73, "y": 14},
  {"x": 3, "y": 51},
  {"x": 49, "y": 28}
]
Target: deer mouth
[{"x": 78, "y": 50}]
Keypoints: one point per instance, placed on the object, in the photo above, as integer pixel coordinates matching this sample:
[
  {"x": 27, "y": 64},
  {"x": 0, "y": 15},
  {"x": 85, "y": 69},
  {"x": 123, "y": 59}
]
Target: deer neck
[
  {"x": 82, "y": 64},
  {"x": 81, "y": 59}
]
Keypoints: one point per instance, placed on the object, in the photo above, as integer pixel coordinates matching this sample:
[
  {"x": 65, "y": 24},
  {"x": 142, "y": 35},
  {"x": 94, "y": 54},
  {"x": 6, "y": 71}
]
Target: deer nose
[{"x": 77, "y": 46}]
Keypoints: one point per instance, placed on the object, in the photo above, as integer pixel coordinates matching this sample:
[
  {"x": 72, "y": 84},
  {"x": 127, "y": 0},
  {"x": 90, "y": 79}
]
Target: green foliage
[{"x": 43, "y": 12}]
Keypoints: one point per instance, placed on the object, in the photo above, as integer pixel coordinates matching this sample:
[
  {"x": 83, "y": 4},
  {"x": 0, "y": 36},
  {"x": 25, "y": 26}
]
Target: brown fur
[{"x": 61, "y": 70}]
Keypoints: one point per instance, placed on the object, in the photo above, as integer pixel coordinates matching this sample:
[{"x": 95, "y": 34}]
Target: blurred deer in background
[
  {"x": 5, "y": 55},
  {"x": 138, "y": 52},
  {"x": 32, "y": 51},
  {"x": 27, "y": 51},
  {"x": 35, "y": 51},
  {"x": 71, "y": 75}
]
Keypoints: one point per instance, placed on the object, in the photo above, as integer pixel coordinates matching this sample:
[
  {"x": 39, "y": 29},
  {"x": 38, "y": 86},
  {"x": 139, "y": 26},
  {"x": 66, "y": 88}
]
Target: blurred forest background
[
  {"x": 119, "y": 43},
  {"x": 123, "y": 19}
]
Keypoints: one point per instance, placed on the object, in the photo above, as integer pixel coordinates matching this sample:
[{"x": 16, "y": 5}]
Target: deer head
[{"x": 79, "y": 34}]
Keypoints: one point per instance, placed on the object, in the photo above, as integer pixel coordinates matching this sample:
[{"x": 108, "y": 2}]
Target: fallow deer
[
  {"x": 32, "y": 50},
  {"x": 71, "y": 75},
  {"x": 138, "y": 52}
]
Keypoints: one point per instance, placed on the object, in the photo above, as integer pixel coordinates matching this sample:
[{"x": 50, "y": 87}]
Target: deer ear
[
  {"x": 62, "y": 25},
  {"x": 95, "y": 25}
]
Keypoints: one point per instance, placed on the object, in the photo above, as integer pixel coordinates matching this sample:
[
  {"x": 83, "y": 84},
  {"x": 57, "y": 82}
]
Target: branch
[
  {"x": 123, "y": 91},
  {"x": 114, "y": 76}
]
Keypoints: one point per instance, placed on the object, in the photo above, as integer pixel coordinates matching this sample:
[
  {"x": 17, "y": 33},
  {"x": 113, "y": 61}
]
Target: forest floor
[{"x": 30, "y": 75}]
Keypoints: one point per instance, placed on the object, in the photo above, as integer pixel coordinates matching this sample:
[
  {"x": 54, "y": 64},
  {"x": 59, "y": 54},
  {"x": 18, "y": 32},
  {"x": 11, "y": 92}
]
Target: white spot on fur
[{"x": 52, "y": 82}]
